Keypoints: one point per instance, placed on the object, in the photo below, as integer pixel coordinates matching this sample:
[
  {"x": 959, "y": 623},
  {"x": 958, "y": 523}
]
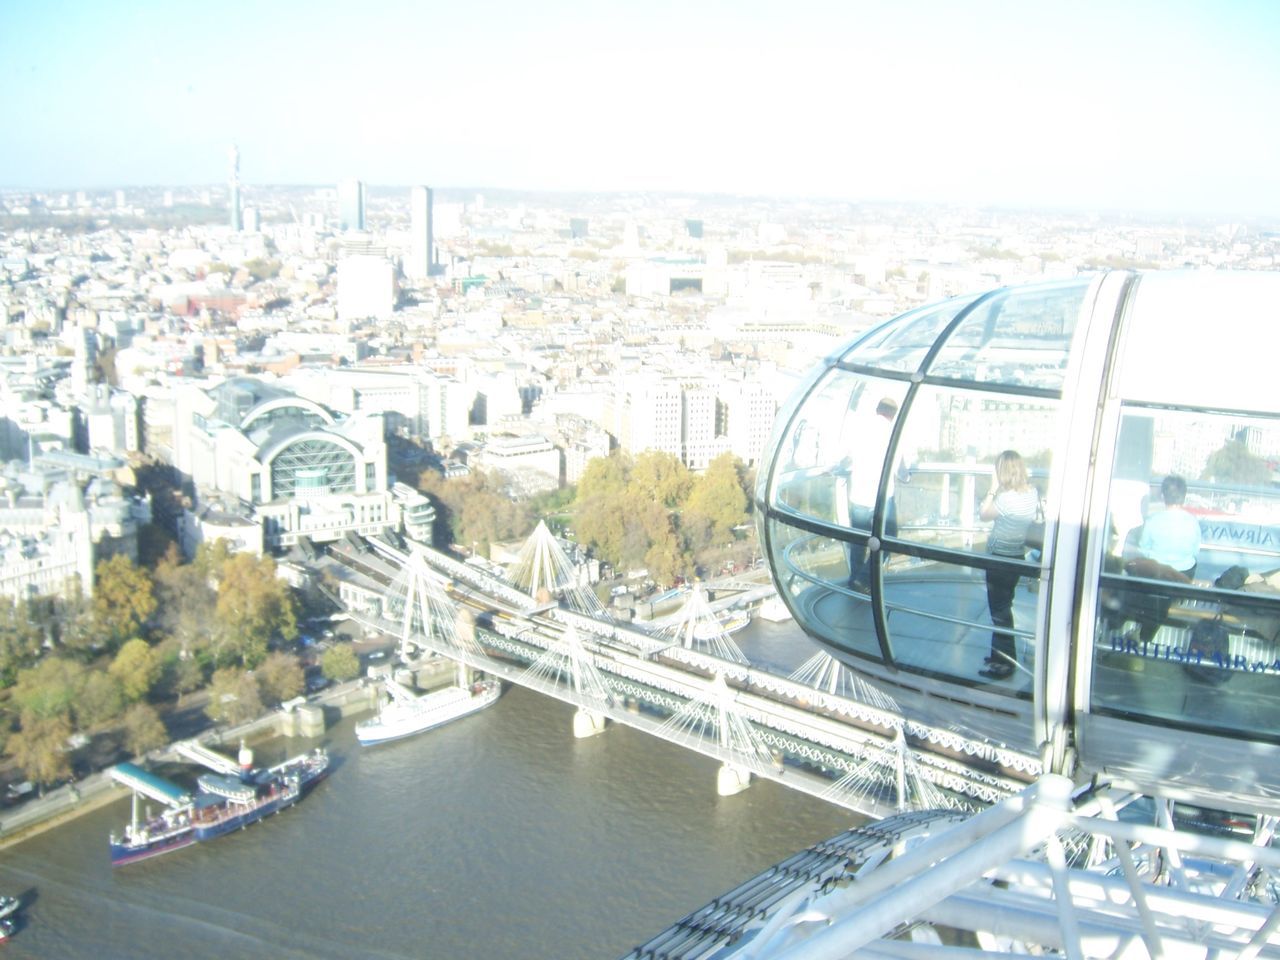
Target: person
[
  {"x": 1011, "y": 505},
  {"x": 1168, "y": 549},
  {"x": 867, "y": 457}
]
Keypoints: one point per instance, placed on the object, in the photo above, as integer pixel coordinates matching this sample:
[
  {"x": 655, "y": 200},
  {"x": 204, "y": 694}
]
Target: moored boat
[
  {"x": 9, "y": 905},
  {"x": 223, "y": 803},
  {"x": 405, "y": 713}
]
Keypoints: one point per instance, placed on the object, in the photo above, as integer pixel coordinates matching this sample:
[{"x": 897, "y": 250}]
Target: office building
[
  {"x": 420, "y": 260},
  {"x": 351, "y": 205}
]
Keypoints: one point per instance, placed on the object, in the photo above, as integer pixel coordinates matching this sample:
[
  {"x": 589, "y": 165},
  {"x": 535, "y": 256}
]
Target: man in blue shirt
[{"x": 1170, "y": 539}]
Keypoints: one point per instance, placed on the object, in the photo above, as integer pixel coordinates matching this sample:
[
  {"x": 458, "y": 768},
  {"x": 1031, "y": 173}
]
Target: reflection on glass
[
  {"x": 1177, "y": 623},
  {"x": 1016, "y": 337},
  {"x": 954, "y": 437},
  {"x": 903, "y": 347},
  {"x": 831, "y": 456},
  {"x": 813, "y": 570},
  {"x": 938, "y": 621}
]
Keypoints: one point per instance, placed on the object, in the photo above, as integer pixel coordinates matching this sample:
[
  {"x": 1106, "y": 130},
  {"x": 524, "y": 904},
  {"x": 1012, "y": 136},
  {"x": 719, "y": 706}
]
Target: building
[
  {"x": 366, "y": 288},
  {"x": 233, "y": 189},
  {"x": 351, "y": 205},
  {"x": 287, "y": 463},
  {"x": 420, "y": 262}
]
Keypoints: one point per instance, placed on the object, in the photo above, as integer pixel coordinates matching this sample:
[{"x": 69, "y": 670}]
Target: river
[{"x": 497, "y": 836}]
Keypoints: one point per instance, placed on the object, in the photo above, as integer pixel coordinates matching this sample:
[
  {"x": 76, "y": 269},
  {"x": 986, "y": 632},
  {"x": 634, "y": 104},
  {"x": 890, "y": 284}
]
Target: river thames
[{"x": 498, "y": 836}]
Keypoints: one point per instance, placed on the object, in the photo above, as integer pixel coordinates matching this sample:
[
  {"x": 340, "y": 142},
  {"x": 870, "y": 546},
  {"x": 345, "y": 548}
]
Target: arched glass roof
[{"x": 907, "y": 477}]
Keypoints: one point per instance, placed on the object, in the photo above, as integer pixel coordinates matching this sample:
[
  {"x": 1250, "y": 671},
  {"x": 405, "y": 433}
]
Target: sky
[{"x": 1160, "y": 107}]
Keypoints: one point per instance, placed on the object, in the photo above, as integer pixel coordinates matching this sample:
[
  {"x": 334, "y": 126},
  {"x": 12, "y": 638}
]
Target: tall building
[
  {"x": 421, "y": 259},
  {"x": 351, "y": 205},
  {"x": 234, "y": 188}
]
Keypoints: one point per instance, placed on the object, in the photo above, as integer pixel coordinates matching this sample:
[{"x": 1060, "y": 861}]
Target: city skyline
[{"x": 1146, "y": 108}]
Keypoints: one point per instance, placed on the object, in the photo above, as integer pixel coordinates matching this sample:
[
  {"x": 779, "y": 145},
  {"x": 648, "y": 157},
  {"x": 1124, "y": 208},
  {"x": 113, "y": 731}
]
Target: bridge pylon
[
  {"x": 544, "y": 566},
  {"x": 712, "y": 714},
  {"x": 891, "y": 776},
  {"x": 569, "y": 660},
  {"x": 428, "y": 618},
  {"x": 696, "y": 627}
]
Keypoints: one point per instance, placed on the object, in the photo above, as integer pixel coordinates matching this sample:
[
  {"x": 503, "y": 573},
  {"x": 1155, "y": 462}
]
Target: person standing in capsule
[{"x": 1010, "y": 505}]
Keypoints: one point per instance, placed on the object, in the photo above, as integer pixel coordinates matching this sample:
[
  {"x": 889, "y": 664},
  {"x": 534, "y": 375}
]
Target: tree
[
  {"x": 186, "y": 602},
  {"x": 660, "y": 477},
  {"x": 122, "y": 599},
  {"x": 233, "y": 697},
  {"x": 1233, "y": 463},
  {"x": 137, "y": 667},
  {"x": 143, "y": 729},
  {"x": 280, "y": 678},
  {"x": 20, "y": 639},
  {"x": 718, "y": 496},
  {"x": 101, "y": 700},
  {"x": 253, "y": 606},
  {"x": 50, "y": 689},
  {"x": 340, "y": 663},
  {"x": 39, "y": 748}
]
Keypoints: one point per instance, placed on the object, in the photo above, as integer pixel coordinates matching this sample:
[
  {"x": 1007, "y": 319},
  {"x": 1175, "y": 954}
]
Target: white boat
[
  {"x": 9, "y": 905},
  {"x": 774, "y": 610},
  {"x": 406, "y": 713}
]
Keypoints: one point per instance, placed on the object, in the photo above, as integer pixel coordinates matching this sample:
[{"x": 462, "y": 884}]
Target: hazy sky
[{"x": 1152, "y": 106}]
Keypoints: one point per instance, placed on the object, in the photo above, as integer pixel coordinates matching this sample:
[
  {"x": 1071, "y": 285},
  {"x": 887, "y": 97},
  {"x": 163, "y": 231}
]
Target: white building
[{"x": 366, "y": 288}]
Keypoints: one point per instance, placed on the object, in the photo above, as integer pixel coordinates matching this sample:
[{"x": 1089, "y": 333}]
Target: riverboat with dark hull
[{"x": 222, "y": 803}]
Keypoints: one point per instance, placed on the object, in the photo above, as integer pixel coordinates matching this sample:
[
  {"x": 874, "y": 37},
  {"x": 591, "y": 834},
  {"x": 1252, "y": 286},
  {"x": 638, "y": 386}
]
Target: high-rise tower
[
  {"x": 234, "y": 188},
  {"x": 421, "y": 260},
  {"x": 351, "y": 205}
]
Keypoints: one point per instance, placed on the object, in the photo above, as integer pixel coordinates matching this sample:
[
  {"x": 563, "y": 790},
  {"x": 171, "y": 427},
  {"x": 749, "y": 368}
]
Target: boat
[
  {"x": 9, "y": 905},
  {"x": 405, "y": 713},
  {"x": 226, "y": 800},
  {"x": 774, "y": 610},
  {"x": 7, "y": 927}
]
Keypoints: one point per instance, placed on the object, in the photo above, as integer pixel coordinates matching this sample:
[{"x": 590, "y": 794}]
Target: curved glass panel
[
  {"x": 312, "y": 468},
  {"x": 830, "y": 459},
  {"x": 902, "y": 344},
  {"x": 1188, "y": 612},
  {"x": 812, "y": 571},
  {"x": 1017, "y": 337},
  {"x": 950, "y": 441}
]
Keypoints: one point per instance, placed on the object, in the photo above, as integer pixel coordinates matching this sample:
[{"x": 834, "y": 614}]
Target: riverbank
[{"x": 71, "y": 800}]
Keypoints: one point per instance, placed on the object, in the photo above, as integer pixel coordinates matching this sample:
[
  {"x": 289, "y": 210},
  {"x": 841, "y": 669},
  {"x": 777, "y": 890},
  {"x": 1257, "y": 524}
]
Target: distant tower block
[
  {"x": 421, "y": 260},
  {"x": 233, "y": 188},
  {"x": 351, "y": 205},
  {"x": 578, "y": 228}
]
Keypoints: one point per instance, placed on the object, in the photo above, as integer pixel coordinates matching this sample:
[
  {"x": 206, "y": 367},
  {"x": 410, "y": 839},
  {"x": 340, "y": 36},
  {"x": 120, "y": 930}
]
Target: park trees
[
  {"x": 143, "y": 729},
  {"x": 340, "y": 663},
  {"x": 253, "y": 606},
  {"x": 39, "y": 748},
  {"x": 123, "y": 599},
  {"x": 233, "y": 696},
  {"x": 137, "y": 667},
  {"x": 280, "y": 677},
  {"x": 20, "y": 639}
]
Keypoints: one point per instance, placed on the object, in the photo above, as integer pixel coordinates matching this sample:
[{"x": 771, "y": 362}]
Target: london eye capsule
[{"x": 1049, "y": 516}]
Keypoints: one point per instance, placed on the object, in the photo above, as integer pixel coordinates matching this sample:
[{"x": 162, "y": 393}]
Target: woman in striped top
[{"x": 1011, "y": 505}]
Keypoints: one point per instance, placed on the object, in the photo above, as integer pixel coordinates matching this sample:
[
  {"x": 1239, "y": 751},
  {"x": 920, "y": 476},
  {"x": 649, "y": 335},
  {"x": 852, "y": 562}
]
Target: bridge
[{"x": 820, "y": 731}]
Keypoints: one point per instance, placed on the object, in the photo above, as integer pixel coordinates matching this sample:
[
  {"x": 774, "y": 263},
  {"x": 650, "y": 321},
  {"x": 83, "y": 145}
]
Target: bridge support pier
[
  {"x": 587, "y": 724},
  {"x": 731, "y": 780}
]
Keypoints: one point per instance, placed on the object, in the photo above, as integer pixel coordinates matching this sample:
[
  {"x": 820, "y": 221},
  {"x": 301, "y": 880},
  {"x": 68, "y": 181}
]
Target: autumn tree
[
  {"x": 233, "y": 697},
  {"x": 50, "y": 689},
  {"x": 143, "y": 729},
  {"x": 660, "y": 477},
  {"x": 123, "y": 599},
  {"x": 253, "y": 606},
  {"x": 39, "y": 748},
  {"x": 186, "y": 601},
  {"x": 340, "y": 663},
  {"x": 477, "y": 508},
  {"x": 718, "y": 498},
  {"x": 280, "y": 677},
  {"x": 101, "y": 700},
  {"x": 137, "y": 668}
]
